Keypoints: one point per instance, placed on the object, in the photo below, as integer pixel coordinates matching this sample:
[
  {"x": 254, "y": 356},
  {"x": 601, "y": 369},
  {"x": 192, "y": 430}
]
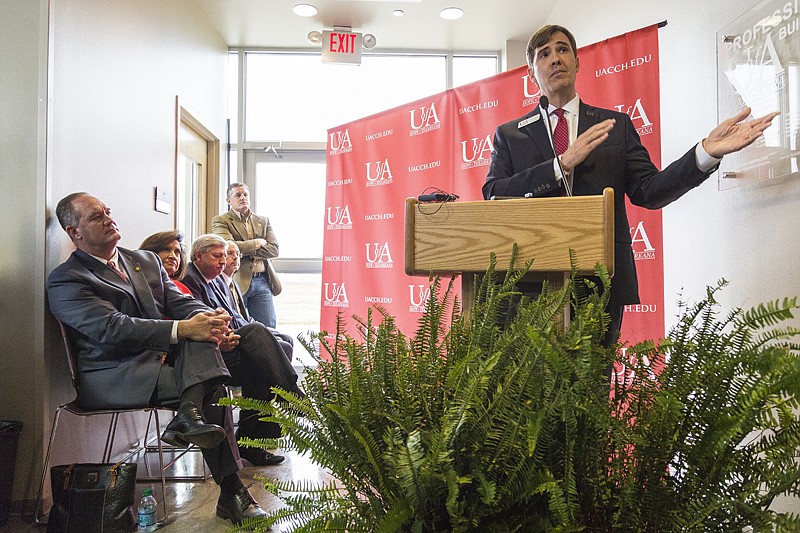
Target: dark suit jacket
[
  {"x": 119, "y": 329},
  {"x": 218, "y": 294},
  {"x": 522, "y": 163},
  {"x": 229, "y": 226},
  {"x": 214, "y": 295}
]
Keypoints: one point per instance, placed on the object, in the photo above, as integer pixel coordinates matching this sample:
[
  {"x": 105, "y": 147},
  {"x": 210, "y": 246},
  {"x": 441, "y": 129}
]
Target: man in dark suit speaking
[
  {"x": 597, "y": 148},
  {"x": 140, "y": 342}
]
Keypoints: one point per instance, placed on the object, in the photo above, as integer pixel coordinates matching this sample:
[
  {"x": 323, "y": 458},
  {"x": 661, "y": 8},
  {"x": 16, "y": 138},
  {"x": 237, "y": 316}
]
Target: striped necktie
[{"x": 120, "y": 273}]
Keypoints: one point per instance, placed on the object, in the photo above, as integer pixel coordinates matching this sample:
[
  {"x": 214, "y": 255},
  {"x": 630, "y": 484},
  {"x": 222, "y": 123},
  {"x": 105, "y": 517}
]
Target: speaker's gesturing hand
[
  {"x": 585, "y": 143},
  {"x": 732, "y": 135}
]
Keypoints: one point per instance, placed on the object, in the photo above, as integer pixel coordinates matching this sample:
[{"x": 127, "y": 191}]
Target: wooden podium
[{"x": 457, "y": 238}]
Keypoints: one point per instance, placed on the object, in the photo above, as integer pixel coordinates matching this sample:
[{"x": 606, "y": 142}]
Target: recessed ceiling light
[
  {"x": 304, "y": 10},
  {"x": 398, "y": 13},
  {"x": 451, "y": 13}
]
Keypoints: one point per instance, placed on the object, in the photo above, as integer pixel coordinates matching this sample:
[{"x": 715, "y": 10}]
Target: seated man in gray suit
[
  {"x": 127, "y": 318},
  {"x": 254, "y": 356}
]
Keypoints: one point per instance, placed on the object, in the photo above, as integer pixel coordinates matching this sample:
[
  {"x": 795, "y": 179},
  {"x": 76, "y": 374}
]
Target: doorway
[{"x": 197, "y": 175}]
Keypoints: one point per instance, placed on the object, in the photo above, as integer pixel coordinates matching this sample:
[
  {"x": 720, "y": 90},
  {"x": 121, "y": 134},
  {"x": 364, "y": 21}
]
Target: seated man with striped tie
[
  {"x": 123, "y": 315},
  {"x": 255, "y": 358}
]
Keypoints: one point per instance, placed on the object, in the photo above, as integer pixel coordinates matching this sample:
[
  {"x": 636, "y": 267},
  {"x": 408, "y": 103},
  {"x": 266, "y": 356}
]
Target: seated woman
[{"x": 168, "y": 245}]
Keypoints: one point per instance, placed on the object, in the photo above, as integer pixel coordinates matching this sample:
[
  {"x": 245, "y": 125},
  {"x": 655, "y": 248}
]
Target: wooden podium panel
[{"x": 458, "y": 237}]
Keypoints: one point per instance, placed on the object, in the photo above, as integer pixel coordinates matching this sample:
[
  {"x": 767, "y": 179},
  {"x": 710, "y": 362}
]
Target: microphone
[
  {"x": 544, "y": 103},
  {"x": 437, "y": 197}
]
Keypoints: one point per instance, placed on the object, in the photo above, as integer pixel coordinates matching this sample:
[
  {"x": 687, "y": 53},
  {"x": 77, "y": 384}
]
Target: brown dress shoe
[
  {"x": 188, "y": 427},
  {"x": 238, "y": 505}
]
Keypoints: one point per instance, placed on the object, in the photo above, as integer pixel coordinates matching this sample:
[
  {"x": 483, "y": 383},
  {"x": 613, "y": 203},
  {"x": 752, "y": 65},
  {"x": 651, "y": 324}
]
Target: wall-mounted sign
[
  {"x": 758, "y": 62},
  {"x": 341, "y": 47}
]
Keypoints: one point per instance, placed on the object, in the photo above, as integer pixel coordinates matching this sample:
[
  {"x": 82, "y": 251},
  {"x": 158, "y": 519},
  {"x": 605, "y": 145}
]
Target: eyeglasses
[{"x": 237, "y": 254}]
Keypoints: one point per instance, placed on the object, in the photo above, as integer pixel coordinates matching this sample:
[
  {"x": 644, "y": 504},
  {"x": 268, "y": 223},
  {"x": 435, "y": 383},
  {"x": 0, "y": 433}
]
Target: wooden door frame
[{"x": 211, "y": 196}]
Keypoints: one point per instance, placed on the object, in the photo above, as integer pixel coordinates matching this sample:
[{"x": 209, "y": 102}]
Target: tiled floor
[{"x": 192, "y": 505}]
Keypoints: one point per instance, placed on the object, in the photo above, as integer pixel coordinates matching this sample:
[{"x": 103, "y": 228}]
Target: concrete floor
[{"x": 192, "y": 505}]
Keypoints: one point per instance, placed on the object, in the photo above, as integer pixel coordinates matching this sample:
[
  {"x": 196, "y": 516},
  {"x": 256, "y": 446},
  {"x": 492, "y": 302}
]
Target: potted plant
[{"x": 504, "y": 422}]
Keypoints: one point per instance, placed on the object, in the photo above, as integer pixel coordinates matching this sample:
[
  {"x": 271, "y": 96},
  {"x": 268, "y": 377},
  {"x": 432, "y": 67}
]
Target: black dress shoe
[
  {"x": 238, "y": 505},
  {"x": 188, "y": 427},
  {"x": 258, "y": 457}
]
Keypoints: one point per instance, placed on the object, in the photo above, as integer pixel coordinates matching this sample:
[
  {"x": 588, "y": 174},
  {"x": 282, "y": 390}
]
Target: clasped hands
[
  {"x": 210, "y": 326},
  {"x": 729, "y": 136}
]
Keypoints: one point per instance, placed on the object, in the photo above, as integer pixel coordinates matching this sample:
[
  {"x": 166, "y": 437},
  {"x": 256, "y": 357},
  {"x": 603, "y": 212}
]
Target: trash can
[{"x": 9, "y": 435}]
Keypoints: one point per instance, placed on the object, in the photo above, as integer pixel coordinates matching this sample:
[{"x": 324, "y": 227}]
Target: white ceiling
[{"x": 485, "y": 26}]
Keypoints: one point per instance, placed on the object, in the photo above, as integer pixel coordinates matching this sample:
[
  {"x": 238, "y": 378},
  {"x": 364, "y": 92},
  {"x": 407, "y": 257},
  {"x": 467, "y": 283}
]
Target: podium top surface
[{"x": 459, "y": 236}]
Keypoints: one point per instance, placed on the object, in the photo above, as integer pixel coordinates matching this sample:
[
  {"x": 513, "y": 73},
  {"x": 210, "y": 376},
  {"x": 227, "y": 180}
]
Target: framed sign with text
[{"x": 758, "y": 66}]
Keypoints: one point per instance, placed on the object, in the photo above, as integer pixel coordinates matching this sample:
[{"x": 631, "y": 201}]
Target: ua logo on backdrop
[
  {"x": 476, "y": 152},
  {"x": 339, "y": 142},
  {"x": 531, "y": 92},
  {"x": 336, "y": 295},
  {"x": 378, "y": 173},
  {"x": 339, "y": 218},
  {"x": 418, "y": 296},
  {"x": 428, "y": 120},
  {"x": 638, "y": 115},
  {"x": 378, "y": 255},
  {"x": 639, "y": 236}
]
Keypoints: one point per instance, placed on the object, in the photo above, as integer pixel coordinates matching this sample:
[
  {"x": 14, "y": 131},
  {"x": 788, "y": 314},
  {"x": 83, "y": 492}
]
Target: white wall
[
  {"x": 23, "y": 42},
  {"x": 743, "y": 235},
  {"x": 117, "y": 67}
]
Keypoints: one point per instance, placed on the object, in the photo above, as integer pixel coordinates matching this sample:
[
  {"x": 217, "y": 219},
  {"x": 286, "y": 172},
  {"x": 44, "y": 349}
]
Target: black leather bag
[{"x": 91, "y": 498}]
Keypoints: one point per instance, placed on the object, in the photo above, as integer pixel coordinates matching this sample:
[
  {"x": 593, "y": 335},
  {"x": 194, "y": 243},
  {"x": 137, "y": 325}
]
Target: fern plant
[{"x": 503, "y": 421}]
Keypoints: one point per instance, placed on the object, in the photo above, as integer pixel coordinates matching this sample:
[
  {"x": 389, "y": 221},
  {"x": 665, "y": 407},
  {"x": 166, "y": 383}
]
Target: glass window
[
  {"x": 467, "y": 69},
  {"x": 295, "y": 97},
  {"x": 233, "y": 95},
  {"x": 292, "y": 195}
]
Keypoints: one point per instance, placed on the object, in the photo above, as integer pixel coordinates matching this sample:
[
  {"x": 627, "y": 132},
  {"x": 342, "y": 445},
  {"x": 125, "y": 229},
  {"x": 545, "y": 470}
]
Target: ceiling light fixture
[
  {"x": 368, "y": 42},
  {"x": 305, "y": 10},
  {"x": 451, "y": 13},
  {"x": 398, "y": 13},
  {"x": 314, "y": 37}
]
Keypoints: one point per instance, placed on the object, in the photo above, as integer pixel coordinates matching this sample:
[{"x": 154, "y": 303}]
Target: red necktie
[
  {"x": 560, "y": 133},
  {"x": 120, "y": 273}
]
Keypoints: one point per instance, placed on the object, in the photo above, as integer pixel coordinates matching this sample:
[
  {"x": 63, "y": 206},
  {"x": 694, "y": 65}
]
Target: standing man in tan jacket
[{"x": 258, "y": 245}]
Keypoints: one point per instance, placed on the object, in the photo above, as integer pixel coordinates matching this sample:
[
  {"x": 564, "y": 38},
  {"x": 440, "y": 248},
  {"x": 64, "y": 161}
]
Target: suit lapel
[
  {"x": 240, "y": 300},
  {"x": 537, "y": 131},
  {"x": 587, "y": 117},
  {"x": 258, "y": 226},
  {"x": 140, "y": 287},
  {"x": 238, "y": 226},
  {"x": 104, "y": 272}
]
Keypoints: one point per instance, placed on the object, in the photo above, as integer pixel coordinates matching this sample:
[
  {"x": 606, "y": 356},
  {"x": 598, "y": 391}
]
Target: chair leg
[
  {"x": 36, "y": 517},
  {"x": 112, "y": 433},
  {"x": 160, "y": 464}
]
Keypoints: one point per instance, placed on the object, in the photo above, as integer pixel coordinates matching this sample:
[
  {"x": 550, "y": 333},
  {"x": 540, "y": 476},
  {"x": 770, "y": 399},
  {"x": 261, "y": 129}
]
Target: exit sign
[{"x": 341, "y": 47}]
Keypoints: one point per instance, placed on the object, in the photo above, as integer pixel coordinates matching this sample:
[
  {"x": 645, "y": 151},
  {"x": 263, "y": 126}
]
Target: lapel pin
[{"x": 136, "y": 269}]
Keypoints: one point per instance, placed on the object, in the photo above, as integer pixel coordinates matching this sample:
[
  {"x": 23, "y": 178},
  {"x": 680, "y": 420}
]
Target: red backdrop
[{"x": 445, "y": 141}]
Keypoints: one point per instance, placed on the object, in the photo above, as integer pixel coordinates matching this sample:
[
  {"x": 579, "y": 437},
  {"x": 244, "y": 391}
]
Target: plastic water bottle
[{"x": 147, "y": 512}]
